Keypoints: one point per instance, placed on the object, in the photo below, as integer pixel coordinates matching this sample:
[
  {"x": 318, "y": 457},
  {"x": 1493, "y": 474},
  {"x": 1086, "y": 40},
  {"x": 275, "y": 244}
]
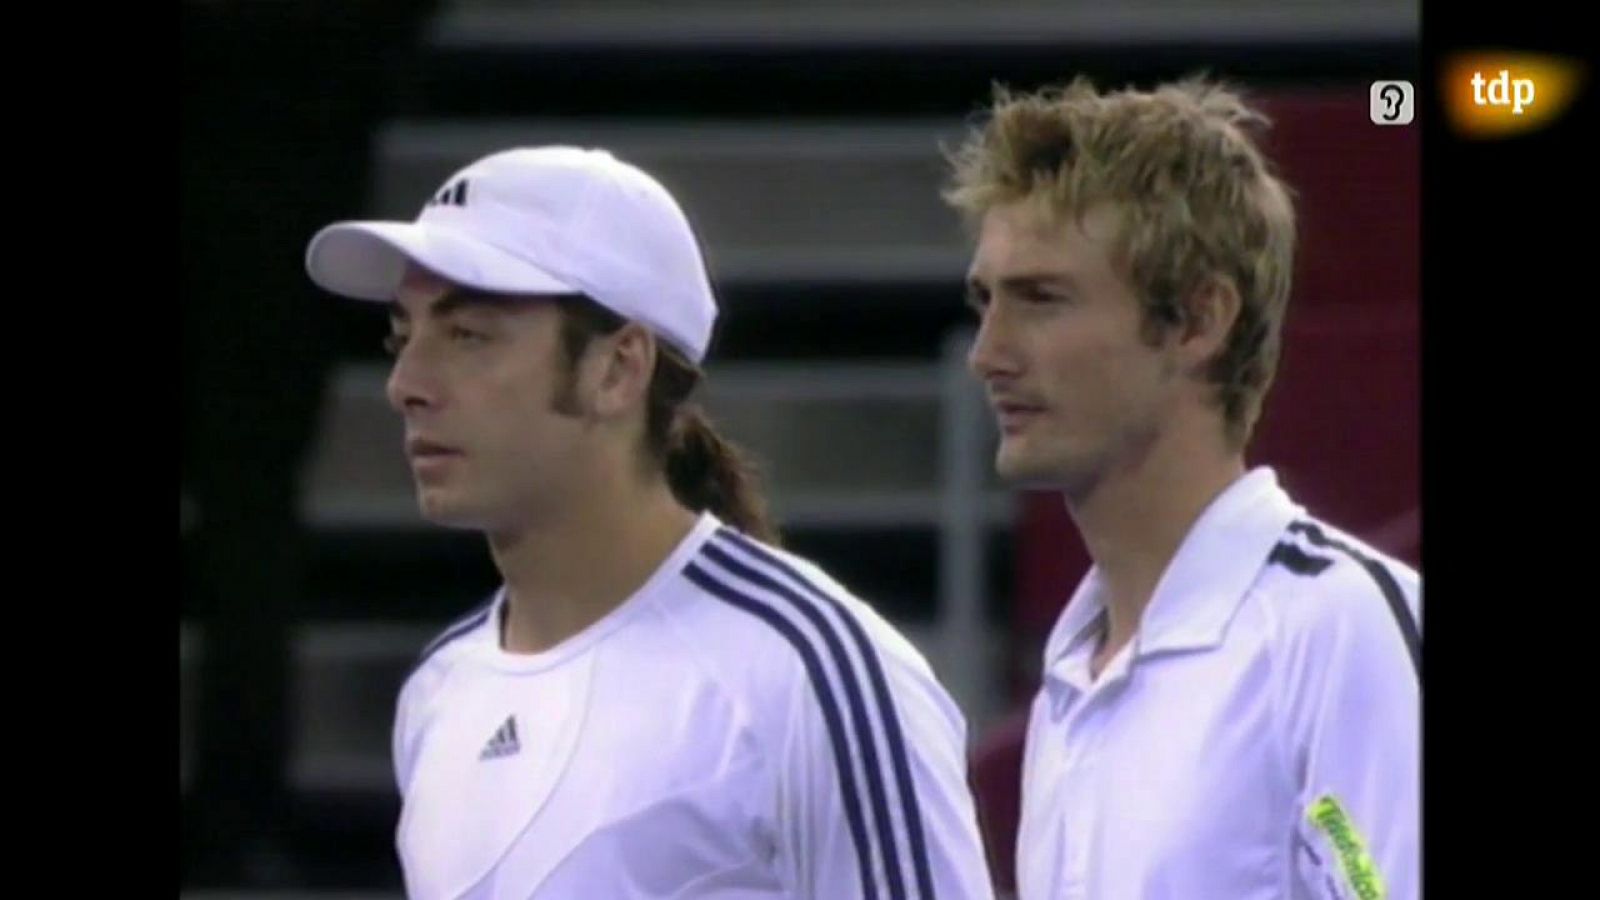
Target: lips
[
  {"x": 1013, "y": 416},
  {"x": 418, "y": 448}
]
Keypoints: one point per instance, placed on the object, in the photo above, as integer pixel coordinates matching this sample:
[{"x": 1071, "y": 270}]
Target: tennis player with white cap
[{"x": 658, "y": 702}]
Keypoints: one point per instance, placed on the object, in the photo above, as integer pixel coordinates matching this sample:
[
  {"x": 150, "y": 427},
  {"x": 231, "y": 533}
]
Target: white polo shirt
[
  {"x": 1260, "y": 736},
  {"x": 740, "y": 728}
]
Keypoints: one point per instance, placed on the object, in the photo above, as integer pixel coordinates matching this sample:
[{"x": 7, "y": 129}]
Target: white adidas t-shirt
[{"x": 740, "y": 728}]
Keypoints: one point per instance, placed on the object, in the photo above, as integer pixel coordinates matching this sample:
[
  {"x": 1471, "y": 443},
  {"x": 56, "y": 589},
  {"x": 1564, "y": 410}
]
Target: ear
[
  {"x": 626, "y": 361},
  {"x": 1210, "y": 311}
]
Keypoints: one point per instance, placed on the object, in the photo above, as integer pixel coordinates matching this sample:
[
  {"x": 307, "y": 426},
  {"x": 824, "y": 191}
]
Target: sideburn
[{"x": 564, "y": 398}]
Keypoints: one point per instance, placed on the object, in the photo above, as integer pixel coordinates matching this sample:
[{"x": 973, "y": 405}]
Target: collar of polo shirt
[{"x": 1204, "y": 584}]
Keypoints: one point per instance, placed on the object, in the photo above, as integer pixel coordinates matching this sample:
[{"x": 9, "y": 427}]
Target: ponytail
[
  {"x": 704, "y": 470},
  {"x": 707, "y": 472}
]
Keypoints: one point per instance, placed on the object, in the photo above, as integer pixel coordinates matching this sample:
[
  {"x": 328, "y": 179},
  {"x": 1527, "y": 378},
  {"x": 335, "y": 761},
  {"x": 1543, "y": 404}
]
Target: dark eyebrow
[{"x": 467, "y": 298}]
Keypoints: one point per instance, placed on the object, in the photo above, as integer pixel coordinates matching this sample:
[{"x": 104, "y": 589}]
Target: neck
[
  {"x": 1134, "y": 519},
  {"x": 569, "y": 571}
]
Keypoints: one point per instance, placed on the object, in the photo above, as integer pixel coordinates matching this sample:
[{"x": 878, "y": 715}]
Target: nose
[
  {"x": 411, "y": 385},
  {"x": 992, "y": 355}
]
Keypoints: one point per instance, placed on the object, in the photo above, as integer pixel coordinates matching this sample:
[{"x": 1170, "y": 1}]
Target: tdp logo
[
  {"x": 1492, "y": 94},
  {"x": 1522, "y": 88},
  {"x": 452, "y": 194}
]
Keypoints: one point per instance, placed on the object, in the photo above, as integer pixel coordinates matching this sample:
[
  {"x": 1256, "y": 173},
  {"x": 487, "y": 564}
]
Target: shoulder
[
  {"x": 783, "y": 620},
  {"x": 1337, "y": 599},
  {"x": 439, "y": 656}
]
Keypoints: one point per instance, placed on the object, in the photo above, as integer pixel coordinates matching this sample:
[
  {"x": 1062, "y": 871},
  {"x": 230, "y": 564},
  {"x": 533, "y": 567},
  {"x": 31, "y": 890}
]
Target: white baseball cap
[{"x": 540, "y": 220}]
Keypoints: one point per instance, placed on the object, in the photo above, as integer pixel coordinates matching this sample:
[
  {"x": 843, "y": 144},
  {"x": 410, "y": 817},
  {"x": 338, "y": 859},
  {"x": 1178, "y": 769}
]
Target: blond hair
[{"x": 1199, "y": 202}]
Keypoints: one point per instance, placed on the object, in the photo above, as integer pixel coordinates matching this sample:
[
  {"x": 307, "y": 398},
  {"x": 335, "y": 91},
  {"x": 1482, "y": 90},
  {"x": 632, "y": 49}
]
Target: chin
[
  {"x": 1025, "y": 468},
  {"x": 1019, "y": 468},
  {"x": 449, "y": 512}
]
